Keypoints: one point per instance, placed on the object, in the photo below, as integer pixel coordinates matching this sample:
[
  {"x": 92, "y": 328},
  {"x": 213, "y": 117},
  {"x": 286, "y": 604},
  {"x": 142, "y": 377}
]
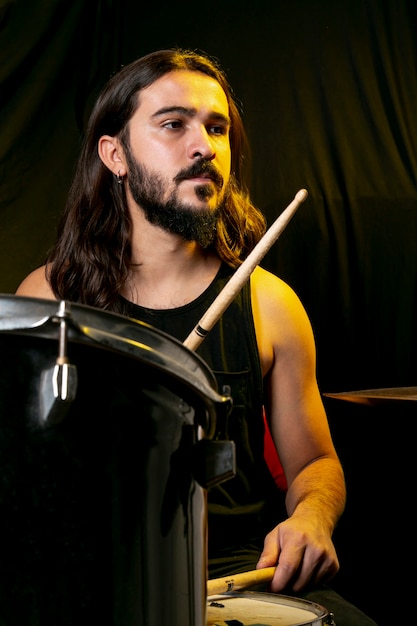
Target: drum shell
[{"x": 101, "y": 516}]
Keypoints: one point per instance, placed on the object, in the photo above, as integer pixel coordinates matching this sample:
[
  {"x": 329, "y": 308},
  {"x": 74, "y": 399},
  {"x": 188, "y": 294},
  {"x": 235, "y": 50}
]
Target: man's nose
[{"x": 201, "y": 145}]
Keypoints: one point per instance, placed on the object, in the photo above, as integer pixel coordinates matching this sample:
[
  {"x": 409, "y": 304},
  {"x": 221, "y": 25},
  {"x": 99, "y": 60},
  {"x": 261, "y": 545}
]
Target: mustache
[{"x": 201, "y": 167}]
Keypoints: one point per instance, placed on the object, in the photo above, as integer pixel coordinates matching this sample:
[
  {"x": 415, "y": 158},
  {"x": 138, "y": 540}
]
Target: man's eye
[
  {"x": 174, "y": 124},
  {"x": 218, "y": 130}
]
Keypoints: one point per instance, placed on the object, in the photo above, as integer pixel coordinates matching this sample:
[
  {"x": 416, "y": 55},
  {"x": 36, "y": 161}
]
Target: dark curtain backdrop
[{"x": 329, "y": 94}]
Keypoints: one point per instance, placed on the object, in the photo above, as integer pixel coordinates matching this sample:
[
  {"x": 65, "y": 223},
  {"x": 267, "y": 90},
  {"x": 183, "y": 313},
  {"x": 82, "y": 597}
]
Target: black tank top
[{"x": 237, "y": 508}]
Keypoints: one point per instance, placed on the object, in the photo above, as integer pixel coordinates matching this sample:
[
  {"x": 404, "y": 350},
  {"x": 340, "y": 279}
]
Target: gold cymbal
[{"x": 372, "y": 396}]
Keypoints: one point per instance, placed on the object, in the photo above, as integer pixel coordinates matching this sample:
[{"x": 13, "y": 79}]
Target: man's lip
[{"x": 200, "y": 177}]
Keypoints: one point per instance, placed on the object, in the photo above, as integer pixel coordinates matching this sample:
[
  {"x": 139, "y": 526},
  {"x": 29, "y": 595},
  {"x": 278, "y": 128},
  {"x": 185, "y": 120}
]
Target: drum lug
[
  {"x": 330, "y": 620},
  {"x": 58, "y": 383},
  {"x": 213, "y": 462}
]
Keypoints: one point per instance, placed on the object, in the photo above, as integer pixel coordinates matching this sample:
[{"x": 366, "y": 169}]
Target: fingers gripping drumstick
[{"x": 239, "y": 278}]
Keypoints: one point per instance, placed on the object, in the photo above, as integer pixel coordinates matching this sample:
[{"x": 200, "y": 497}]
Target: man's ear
[{"x": 111, "y": 153}]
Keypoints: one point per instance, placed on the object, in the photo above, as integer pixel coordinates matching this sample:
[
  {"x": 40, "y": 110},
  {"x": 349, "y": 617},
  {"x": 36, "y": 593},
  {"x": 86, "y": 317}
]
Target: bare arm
[{"x": 302, "y": 544}]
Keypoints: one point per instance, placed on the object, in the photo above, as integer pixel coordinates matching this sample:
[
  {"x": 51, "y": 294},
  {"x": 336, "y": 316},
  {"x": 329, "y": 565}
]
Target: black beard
[{"x": 174, "y": 216}]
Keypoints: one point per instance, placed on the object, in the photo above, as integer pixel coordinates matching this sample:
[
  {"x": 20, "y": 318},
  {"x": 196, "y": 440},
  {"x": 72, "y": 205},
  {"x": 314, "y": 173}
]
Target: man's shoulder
[
  {"x": 263, "y": 279},
  {"x": 36, "y": 285},
  {"x": 275, "y": 297}
]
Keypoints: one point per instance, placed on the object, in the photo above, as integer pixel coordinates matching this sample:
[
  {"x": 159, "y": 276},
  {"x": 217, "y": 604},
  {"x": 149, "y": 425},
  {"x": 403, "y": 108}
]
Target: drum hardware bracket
[
  {"x": 59, "y": 383},
  {"x": 213, "y": 462}
]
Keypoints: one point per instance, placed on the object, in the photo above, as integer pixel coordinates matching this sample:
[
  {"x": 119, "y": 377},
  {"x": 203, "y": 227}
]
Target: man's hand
[{"x": 303, "y": 553}]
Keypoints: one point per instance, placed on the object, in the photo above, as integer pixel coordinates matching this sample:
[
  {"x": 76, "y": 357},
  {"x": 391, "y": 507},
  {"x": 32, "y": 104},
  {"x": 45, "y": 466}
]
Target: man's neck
[{"x": 169, "y": 272}]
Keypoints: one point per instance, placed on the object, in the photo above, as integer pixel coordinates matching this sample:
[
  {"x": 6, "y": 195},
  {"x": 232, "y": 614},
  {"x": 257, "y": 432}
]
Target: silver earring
[{"x": 119, "y": 178}]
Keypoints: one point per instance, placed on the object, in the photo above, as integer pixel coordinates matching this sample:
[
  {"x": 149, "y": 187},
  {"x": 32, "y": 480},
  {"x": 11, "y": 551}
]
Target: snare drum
[
  {"x": 104, "y": 423},
  {"x": 250, "y": 608}
]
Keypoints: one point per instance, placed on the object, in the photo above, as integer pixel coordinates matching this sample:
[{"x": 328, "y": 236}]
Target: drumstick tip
[{"x": 301, "y": 195}]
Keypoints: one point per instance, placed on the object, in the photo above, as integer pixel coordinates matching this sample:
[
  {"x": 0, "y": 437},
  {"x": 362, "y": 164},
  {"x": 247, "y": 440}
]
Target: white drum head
[{"x": 262, "y": 609}]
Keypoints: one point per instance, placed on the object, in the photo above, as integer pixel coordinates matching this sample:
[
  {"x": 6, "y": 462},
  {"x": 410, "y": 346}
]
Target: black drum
[{"x": 106, "y": 454}]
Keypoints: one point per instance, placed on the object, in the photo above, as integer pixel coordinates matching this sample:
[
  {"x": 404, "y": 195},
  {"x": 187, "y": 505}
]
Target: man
[{"x": 158, "y": 218}]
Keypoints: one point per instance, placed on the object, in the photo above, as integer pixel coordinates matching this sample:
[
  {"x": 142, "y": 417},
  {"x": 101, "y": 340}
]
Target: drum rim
[{"x": 179, "y": 361}]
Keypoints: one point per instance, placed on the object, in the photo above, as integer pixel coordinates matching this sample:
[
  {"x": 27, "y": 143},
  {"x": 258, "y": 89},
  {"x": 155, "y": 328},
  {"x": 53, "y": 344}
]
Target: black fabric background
[{"x": 329, "y": 93}]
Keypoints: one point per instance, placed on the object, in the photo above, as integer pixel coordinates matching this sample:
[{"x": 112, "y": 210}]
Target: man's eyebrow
[{"x": 190, "y": 112}]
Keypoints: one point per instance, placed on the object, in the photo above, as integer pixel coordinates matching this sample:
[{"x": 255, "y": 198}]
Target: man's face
[{"x": 178, "y": 157}]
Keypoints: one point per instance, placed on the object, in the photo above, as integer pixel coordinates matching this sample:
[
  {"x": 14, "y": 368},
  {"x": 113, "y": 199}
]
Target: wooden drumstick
[
  {"x": 239, "y": 278},
  {"x": 239, "y": 581}
]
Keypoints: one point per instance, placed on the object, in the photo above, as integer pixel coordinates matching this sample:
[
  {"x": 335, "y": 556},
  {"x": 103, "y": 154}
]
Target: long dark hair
[{"x": 91, "y": 258}]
